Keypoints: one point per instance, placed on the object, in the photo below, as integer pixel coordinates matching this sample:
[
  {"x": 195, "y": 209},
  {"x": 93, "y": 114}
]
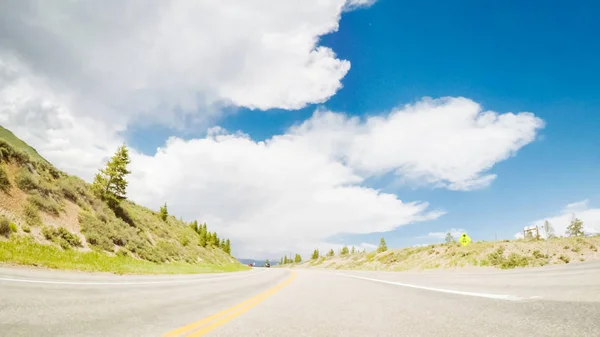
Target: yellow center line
[{"x": 228, "y": 314}]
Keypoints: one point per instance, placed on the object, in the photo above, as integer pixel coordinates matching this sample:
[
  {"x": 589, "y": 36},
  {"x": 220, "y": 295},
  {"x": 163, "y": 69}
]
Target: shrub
[
  {"x": 514, "y": 260},
  {"x": 496, "y": 258},
  {"x": 26, "y": 228},
  {"x": 5, "y": 227},
  {"x": 32, "y": 215},
  {"x": 4, "y": 181},
  {"x": 47, "y": 204},
  {"x": 61, "y": 236},
  {"x": 68, "y": 190},
  {"x": 539, "y": 255},
  {"x": 26, "y": 181},
  {"x": 13, "y": 227},
  {"x": 564, "y": 258}
]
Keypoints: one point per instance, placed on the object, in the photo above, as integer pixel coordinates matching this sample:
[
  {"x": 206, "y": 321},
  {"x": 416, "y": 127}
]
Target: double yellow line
[{"x": 208, "y": 324}]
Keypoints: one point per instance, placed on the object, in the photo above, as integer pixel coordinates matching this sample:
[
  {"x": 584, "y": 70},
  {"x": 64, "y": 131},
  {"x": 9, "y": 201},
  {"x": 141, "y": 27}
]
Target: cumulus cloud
[
  {"x": 295, "y": 190},
  {"x": 581, "y": 210},
  {"x": 448, "y": 142},
  {"x": 266, "y": 196},
  {"x": 160, "y": 57},
  {"x": 75, "y": 74}
]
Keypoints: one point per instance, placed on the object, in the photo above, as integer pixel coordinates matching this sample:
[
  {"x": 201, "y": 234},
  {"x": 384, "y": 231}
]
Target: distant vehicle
[
  {"x": 268, "y": 265},
  {"x": 249, "y": 264}
]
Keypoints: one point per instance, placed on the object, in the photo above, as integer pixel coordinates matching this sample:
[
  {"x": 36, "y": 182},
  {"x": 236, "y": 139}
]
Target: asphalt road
[{"x": 553, "y": 301}]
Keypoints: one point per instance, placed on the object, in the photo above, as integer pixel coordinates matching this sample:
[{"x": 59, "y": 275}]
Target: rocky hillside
[
  {"x": 40, "y": 205},
  {"x": 500, "y": 254}
]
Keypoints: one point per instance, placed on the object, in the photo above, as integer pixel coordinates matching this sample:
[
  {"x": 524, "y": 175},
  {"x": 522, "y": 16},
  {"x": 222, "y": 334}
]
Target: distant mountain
[{"x": 258, "y": 263}]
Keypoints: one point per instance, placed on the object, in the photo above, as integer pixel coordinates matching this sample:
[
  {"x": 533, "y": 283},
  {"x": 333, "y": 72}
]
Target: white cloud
[
  {"x": 352, "y": 4},
  {"x": 455, "y": 232},
  {"x": 74, "y": 74},
  {"x": 269, "y": 196},
  {"x": 559, "y": 222},
  {"x": 449, "y": 142},
  {"x": 295, "y": 190},
  {"x": 131, "y": 58}
]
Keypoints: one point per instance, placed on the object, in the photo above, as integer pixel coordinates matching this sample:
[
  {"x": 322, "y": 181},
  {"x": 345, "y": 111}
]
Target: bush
[
  {"x": 68, "y": 190},
  {"x": 5, "y": 227},
  {"x": 31, "y": 214},
  {"x": 13, "y": 227},
  {"x": 61, "y": 236},
  {"x": 47, "y": 204},
  {"x": 4, "y": 181},
  {"x": 26, "y": 181},
  {"x": 514, "y": 260},
  {"x": 539, "y": 255},
  {"x": 564, "y": 258},
  {"x": 26, "y": 228}
]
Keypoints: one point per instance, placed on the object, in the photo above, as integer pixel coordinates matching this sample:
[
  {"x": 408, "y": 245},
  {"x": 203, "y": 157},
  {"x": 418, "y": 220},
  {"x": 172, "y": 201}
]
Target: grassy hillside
[
  {"x": 18, "y": 144},
  {"x": 499, "y": 254},
  {"x": 48, "y": 218}
]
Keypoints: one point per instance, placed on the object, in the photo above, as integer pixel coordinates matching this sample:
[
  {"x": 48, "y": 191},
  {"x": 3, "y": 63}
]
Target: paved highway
[{"x": 553, "y": 301}]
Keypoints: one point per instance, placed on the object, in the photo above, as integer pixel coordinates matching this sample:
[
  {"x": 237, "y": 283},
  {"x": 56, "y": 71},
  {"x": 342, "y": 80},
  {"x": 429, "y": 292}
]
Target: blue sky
[
  {"x": 182, "y": 67},
  {"x": 509, "y": 56}
]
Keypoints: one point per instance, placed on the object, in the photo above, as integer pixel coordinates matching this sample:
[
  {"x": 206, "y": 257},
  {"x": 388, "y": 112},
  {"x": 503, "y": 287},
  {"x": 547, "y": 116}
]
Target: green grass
[
  {"x": 24, "y": 251},
  {"x": 18, "y": 144}
]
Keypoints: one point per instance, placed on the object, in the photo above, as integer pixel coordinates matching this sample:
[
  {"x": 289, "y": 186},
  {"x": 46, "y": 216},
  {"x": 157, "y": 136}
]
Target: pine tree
[
  {"x": 353, "y": 250},
  {"x": 382, "y": 246},
  {"x": 330, "y": 253},
  {"x": 575, "y": 228},
  {"x": 297, "y": 258},
  {"x": 344, "y": 251},
  {"x": 203, "y": 241},
  {"x": 163, "y": 212},
  {"x": 228, "y": 247},
  {"x": 281, "y": 261},
  {"x": 315, "y": 254},
  {"x": 449, "y": 238},
  {"x": 110, "y": 184}
]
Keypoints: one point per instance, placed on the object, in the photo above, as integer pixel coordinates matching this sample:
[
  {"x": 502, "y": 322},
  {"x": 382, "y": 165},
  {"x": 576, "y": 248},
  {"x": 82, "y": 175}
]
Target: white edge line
[
  {"x": 8, "y": 279},
  {"x": 449, "y": 291}
]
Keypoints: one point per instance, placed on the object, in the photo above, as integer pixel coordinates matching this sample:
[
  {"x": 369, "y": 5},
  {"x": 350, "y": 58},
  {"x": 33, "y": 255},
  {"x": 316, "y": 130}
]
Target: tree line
[
  {"x": 110, "y": 185},
  {"x": 344, "y": 251}
]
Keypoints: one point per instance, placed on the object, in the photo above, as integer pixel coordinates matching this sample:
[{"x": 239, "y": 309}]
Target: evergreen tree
[
  {"x": 575, "y": 228},
  {"x": 297, "y": 258},
  {"x": 203, "y": 241},
  {"x": 110, "y": 184},
  {"x": 228, "y": 246},
  {"x": 281, "y": 261},
  {"x": 449, "y": 238},
  {"x": 344, "y": 251},
  {"x": 353, "y": 250},
  {"x": 163, "y": 212},
  {"x": 382, "y": 246},
  {"x": 330, "y": 253},
  {"x": 315, "y": 254}
]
